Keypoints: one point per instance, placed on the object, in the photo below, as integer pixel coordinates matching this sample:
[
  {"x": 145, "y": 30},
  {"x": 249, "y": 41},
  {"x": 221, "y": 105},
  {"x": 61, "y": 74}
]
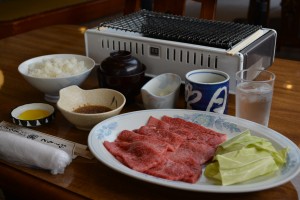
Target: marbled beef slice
[{"x": 139, "y": 155}]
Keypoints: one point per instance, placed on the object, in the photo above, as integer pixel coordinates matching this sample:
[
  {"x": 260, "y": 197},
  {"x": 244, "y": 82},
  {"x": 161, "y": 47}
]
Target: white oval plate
[{"x": 110, "y": 128}]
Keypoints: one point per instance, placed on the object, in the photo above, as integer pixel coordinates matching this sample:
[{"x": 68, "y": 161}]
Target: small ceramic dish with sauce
[
  {"x": 86, "y": 108},
  {"x": 33, "y": 114}
]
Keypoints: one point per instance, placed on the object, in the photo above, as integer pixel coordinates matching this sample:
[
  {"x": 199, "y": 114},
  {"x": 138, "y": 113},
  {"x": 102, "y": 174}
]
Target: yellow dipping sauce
[{"x": 33, "y": 114}]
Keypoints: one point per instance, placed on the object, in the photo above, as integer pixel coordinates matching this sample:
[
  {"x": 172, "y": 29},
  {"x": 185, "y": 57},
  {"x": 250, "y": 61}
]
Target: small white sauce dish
[
  {"x": 161, "y": 91},
  {"x": 73, "y": 97},
  {"x": 45, "y": 119}
]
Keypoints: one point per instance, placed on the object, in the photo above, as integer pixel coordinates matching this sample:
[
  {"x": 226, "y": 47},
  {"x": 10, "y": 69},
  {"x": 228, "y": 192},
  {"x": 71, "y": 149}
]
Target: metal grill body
[{"x": 168, "y": 43}]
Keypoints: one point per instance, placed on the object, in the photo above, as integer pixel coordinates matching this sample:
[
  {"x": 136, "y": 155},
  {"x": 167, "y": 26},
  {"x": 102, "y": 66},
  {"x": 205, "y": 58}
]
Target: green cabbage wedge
[{"x": 244, "y": 157}]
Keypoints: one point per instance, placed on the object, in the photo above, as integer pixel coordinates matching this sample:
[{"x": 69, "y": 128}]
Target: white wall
[{"x": 228, "y": 10}]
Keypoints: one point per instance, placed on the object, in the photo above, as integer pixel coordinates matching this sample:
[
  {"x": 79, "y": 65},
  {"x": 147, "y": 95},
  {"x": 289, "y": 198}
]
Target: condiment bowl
[
  {"x": 73, "y": 97},
  {"x": 33, "y": 114},
  {"x": 50, "y": 85},
  {"x": 161, "y": 91}
]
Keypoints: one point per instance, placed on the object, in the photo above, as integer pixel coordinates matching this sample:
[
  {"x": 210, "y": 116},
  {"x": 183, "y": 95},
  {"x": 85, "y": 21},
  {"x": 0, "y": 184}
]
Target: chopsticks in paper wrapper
[{"x": 28, "y": 147}]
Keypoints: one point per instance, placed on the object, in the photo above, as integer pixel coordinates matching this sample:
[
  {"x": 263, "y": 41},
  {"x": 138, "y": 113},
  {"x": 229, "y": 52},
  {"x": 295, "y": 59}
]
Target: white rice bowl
[
  {"x": 51, "y": 73},
  {"x": 56, "y": 67}
]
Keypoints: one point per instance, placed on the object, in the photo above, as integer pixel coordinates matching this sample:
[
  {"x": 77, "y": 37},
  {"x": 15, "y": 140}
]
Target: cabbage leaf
[{"x": 244, "y": 157}]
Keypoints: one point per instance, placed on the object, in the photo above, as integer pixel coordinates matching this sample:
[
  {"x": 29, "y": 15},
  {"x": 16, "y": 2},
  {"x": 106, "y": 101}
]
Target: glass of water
[{"x": 254, "y": 91}]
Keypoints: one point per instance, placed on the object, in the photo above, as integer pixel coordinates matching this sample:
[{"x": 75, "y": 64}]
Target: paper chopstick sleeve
[{"x": 23, "y": 151}]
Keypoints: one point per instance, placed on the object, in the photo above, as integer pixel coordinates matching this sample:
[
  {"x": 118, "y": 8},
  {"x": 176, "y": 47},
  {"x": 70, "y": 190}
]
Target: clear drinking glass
[{"x": 254, "y": 92}]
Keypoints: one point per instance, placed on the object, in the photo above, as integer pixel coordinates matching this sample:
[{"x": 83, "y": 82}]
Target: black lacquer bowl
[{"x": 122, "y": 72}]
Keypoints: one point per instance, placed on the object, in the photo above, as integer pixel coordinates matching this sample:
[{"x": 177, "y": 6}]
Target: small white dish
[
  {"x": 73, "y": 97},
  {"x": 161, "y": 91},
  {"x": 29, "y": 120}
]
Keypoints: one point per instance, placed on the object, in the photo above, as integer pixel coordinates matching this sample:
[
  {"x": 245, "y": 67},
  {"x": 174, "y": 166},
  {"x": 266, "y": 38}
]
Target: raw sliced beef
[
  {"x": 176, "y": 171},
  {"x": 154, "y": 122},
  {"x": 171, "y": 138},
  {"x": 185, "y": 164},
  {"x": 169, "y": 148},
  {"x": 193, "y": 153},
  {"x": 140, "y": 155},
  {"x": 199, "y": 132},
  {"x": 130, "y": 136}
]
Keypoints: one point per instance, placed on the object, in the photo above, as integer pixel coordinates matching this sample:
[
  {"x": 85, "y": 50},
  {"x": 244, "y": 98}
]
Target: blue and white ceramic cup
[{"x": 207, "y": 90}]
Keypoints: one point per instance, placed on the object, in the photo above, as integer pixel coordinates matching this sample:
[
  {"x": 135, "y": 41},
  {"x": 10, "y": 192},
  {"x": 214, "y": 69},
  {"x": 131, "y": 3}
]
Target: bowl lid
[{"x": 121, "y": 63}]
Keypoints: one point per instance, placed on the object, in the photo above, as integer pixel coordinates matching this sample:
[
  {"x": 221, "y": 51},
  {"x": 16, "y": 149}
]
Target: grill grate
[{"x": 183, "y": 29}]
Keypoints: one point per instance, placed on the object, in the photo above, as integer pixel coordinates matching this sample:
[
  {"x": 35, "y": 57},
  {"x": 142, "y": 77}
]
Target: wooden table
[{"x": 90, "y": 179}]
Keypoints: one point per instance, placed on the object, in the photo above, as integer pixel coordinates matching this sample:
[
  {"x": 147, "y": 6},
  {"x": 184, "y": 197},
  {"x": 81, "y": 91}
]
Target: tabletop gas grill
[{"x": 178, "y": 44}]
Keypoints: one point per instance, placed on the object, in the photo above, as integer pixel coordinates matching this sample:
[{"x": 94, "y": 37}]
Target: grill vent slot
[
  {"x": 191, "y": 58},
  {"x": 117, "y": 45}
]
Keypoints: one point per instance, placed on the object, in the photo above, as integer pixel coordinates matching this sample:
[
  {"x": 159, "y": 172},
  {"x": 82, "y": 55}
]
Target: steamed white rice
[{"x": 56, "y": 68}]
